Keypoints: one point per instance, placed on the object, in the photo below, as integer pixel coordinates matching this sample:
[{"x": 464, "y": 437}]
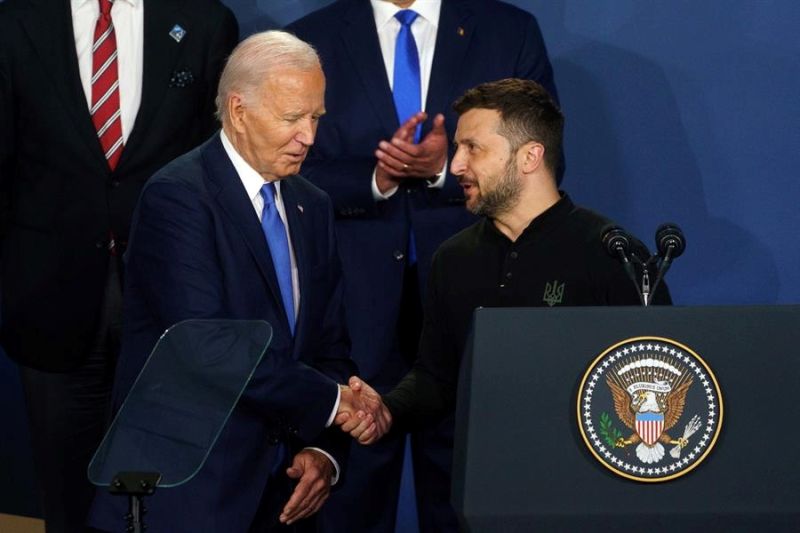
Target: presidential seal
[{"x": 649, "y": 409}]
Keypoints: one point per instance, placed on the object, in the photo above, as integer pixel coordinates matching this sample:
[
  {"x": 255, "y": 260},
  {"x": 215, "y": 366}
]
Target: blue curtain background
[{"x": 676, "y": 111}]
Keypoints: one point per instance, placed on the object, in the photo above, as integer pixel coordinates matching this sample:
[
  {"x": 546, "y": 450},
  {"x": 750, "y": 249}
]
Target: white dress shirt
[
  {"x": 128, "y": 18},
  {"x": 252, "y": 182},
  {"x": 424, "y": 29}
]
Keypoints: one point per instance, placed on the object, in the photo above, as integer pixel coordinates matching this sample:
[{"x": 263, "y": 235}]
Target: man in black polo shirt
[{"x": 532, "y": 248}]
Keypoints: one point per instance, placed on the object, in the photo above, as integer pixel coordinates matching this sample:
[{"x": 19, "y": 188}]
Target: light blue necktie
[
  {"x": 275, "y": 232},
  {"x": 406, "y": 88}
]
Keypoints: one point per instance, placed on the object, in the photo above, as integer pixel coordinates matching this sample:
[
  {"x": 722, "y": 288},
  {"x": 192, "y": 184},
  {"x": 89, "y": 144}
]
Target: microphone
[
  {"x": 617, "y": 244},
  {"x": 670, "y": 244},
  {"x": 670, "y": 241}
]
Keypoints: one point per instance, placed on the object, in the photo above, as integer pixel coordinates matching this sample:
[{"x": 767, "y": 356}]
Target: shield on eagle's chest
[{"x": 649, "y": 427}]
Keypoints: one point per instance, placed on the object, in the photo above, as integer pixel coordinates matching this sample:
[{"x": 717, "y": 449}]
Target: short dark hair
[{"x": 527, "y": 113}]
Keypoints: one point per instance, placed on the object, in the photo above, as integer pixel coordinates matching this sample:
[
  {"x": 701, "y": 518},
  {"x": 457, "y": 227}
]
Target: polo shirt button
[
  {"x": 508, "y": 275},
  {"x": 514, "y": 255}
]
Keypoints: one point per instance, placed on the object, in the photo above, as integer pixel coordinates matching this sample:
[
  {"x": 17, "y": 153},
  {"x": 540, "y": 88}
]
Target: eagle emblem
[
  {"x": 662, "y": 394},
  {"x": 649, "y": 397}
]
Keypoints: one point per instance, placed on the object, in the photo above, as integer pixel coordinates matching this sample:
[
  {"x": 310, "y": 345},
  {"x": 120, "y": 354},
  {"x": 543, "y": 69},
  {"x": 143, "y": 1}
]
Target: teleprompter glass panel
[{"x": 181, "y": 400}]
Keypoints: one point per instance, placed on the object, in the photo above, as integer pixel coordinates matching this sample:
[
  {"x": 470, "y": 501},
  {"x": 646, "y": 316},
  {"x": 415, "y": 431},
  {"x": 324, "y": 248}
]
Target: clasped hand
[
  {"x": 362, "y": 412},
  {"x": 400, "y": 158}
]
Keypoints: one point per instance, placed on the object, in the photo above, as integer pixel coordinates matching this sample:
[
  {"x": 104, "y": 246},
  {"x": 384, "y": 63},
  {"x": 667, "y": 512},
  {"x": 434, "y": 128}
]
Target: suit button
[
  {"x": 115, "y": 183},
  {"x": 100, "y": 245},
  {"x": 398, "y": 255}
]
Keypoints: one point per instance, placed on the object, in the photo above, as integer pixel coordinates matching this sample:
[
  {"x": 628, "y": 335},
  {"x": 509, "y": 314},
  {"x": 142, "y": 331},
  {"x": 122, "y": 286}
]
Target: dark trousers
[
  {"x": 367, "y": 500},
  {"x": 432, "y": 452},
  {"x": 68, "y": 414}
]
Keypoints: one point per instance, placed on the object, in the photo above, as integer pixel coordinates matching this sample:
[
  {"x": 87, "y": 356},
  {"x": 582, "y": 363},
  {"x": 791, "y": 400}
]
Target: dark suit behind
[
  {"x": 477, "y": 41},
  {"x": 197, "y": 250},
  {"x": 59, "y": 202}
]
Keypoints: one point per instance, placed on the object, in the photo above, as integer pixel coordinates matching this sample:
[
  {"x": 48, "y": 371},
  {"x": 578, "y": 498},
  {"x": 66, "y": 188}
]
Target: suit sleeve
[
  {"x": 223, "y": 40},
  {"x": 533, "y": 62},
  {"x": 172, "y": 262}
]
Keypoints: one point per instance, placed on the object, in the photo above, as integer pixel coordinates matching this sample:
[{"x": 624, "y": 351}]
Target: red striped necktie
[{"x": 105, "y": 86}]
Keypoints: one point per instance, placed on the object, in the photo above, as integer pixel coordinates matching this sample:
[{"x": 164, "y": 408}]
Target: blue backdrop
[{"x": 676, "y": 111}]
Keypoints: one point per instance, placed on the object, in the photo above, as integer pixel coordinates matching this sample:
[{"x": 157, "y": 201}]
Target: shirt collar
[
  {"x": 76, "y": 4},
  {"x": 251, "y": 179},
  {"x": 384, "y": 11},
  {"x": 551, "y": 218}
]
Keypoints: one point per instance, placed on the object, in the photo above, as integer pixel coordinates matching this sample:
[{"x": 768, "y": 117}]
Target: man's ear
[
  {"x": 531, "y": 156},
  {"x": 235, "y": 111}
]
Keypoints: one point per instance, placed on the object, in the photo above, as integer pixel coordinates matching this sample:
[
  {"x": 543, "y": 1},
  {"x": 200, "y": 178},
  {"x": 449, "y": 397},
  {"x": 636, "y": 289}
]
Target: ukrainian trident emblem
[{"x": 553, "y": 293}]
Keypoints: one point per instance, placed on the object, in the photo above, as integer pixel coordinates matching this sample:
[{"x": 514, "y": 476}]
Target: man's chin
[
  {"x": 291, "y": 169},
  {"x": 473, "y": 206}
]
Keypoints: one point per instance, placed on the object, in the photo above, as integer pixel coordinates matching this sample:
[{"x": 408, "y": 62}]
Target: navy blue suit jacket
[
  {"x": 477, "y": 41},
  {"x": 197, "y": 251}
]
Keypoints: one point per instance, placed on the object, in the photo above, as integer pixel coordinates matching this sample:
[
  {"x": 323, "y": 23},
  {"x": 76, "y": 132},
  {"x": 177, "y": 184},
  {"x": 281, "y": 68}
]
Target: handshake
[{"x": 362, "y": 412}]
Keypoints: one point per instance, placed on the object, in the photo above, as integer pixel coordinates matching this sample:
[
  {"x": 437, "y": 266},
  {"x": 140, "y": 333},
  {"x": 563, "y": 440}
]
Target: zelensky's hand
[
  {"x": 314, "y": 472},
  {"x": 400, "y": 158},
  {"x": 371, "y": 420}
]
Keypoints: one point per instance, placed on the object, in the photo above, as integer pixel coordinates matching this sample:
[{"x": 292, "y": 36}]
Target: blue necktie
[
  {"x": 406, "y": 83},
  {"x": 275, "y": 232},
  {"x": 406, "y": 87}
]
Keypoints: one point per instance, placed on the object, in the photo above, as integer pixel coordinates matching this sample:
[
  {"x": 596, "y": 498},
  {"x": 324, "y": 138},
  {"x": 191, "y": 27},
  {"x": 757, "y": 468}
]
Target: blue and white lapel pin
[{"x": 177, "y": 33}]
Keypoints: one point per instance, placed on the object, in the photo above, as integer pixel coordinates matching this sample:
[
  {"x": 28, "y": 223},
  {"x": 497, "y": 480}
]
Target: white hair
[{"x": 252, "y": 61}]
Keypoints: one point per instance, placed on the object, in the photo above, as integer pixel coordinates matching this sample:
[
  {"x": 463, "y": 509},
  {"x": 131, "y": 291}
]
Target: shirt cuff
[
  {"x": 335, "y": 407},
  {"x": 437, "y": 181},
  {"x": 377, "y": 195},
  {"x": 335, "y": 477}
]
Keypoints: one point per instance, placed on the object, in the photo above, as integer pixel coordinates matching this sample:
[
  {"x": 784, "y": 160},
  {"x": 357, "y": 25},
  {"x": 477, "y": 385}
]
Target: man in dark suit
[
  {"x": 229, "y": 231},
  {"x": 395, "y": 202},
  {"x": 78, "y": 139}
]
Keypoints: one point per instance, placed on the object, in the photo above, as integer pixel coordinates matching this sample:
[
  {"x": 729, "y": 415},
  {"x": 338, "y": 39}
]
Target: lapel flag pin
[
  {"x": 177, "y": 33},
  {"x": 460, "y": 31}
]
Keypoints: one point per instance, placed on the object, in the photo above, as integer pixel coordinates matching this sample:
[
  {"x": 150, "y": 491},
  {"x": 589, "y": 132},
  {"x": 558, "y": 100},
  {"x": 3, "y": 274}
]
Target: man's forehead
[
  {"x": 295, "y": 85},
  {"x": 477, "y": 121},
  {"x": 284, "y": 76}
]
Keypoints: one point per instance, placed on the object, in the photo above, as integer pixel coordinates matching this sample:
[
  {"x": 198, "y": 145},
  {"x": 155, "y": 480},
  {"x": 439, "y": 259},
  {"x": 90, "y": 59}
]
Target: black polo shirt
[{"x": 559, "y": 260}]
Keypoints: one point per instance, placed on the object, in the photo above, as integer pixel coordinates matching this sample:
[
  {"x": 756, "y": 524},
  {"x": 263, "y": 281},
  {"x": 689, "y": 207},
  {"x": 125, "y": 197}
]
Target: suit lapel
[
  {"x": 297, "y": 232},
  {"x": 361, "y": 41},
  {"x": 50, "y": 31},
  {"x": 456, "y": 27},
  {"x": 233, "y": 200},
  {"x": 160, "y": 52}
]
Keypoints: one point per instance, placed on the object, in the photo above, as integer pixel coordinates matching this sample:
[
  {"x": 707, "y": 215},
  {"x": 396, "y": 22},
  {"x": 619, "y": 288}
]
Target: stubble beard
[{"x": 503, "y": 197}]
